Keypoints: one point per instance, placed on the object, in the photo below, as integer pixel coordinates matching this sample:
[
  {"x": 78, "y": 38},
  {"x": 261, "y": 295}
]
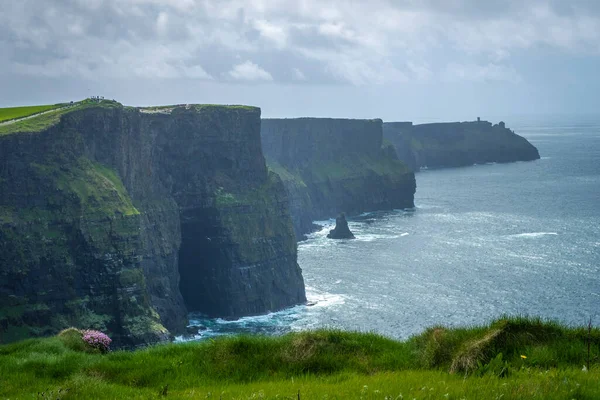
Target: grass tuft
[{"x": 72, "y": 338}]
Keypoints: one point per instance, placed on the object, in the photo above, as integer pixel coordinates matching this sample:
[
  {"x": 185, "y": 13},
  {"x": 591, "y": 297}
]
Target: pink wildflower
[{"x": 97, "y": 339}]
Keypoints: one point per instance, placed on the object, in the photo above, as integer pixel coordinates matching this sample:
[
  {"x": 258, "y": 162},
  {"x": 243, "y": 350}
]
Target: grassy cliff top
[
  {"x": 12, "y": 113},
  {"x": 323, "y": 119},
  {"x": 37, "y": 122},
  {"x": 38, "y": 118},
  {"x": 198, "y": 107},
  {"x": 512, "y": 358}
]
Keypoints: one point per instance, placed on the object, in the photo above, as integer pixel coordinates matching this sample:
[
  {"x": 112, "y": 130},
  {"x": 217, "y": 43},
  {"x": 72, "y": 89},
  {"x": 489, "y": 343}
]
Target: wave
[
  {"x": 321, "y": 299},
  {"x": 366, "y": 214},
  {"x": 533, "y": 234},
  {"x": 427, "y": 206},
  {"x": 274, "y": 323},
  {"x": 370, "y": 237}
]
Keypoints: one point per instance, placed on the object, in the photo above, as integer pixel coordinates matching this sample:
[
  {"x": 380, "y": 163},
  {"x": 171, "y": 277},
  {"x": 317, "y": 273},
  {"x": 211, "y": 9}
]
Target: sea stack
[
  {"x": 341, "y": 230},
  {"x": 332, "y": 165}
]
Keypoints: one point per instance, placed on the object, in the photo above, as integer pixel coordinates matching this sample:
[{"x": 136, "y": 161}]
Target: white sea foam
[
  {"x": 293, "y": 318},
  {"x": 427, "y": 207},
  {"x": 373, "y": 236},
  {"x": 322, "y": 299},
  {"x": 404, "y": 234},
  {"x": 533, "y": 234}
]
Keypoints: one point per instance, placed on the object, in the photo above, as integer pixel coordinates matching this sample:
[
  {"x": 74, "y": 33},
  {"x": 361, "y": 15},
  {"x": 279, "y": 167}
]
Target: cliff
[
  {"x": 457, "y": 144},
  {"x": 330, "y": 166},
  {"x": 122, "y": 219}
]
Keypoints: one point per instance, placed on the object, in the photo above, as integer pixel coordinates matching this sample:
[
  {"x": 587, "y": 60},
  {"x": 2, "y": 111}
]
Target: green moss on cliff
[
  {"x": 97, "y": 188},
  {"x": 224, "y": 198},
  {"x": 356, "y": 167},
  {"x": 75, "y": 231},
  {"x": 286, "y": 175},
  {"x": 252, "y": 216},
  {"x": 416, "y": 144},
  {"x": 349, "y": 168}
]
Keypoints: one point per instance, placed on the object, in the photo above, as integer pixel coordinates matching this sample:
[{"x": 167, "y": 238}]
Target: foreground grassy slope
[
  {"x": 508, "y": 359},
  {"x": 7, "y": 114}
]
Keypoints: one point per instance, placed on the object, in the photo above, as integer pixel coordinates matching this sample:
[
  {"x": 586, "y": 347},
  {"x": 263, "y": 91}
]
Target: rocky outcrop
[
  {"x": 122, "y": 219},
  {"x": 330, "y": 166},
  {"x": 341, "y": 230},
  {"x": 457, "y": 144}
]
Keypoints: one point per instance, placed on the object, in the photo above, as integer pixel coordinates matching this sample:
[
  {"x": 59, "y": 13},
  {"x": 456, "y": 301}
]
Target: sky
[{"x": 396, "y": 60}]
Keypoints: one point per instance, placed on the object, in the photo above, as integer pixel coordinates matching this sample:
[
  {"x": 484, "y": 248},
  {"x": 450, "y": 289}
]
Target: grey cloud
[{"x": 356, "y": 42}]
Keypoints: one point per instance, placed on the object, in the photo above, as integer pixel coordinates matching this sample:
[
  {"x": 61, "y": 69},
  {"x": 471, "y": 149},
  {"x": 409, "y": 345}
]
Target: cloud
[
  {"x": 248, "y": 71},
  {"x": 272, "y": 32},
  {"x": 342, "y": 42},
  {"x": 419, "y": 71},
  {"x": 481, "y": 73},
  {"x": 162, "y": 23},
  {"x": 298, "y": 75}
]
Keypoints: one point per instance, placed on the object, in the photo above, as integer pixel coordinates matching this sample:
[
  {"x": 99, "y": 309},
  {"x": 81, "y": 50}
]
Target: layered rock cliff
[
  {"x": 330, "y": 166},
  {"x": 457, "y": 144},
  {"x": 120, "y": 219}
]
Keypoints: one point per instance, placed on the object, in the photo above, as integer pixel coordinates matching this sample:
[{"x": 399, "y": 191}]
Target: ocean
[{"x": 482, "y": 242}]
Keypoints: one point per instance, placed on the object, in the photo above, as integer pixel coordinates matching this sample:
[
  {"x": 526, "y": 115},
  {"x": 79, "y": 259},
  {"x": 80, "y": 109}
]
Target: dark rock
[
  {"x": 120, "y": 220},
  {"x": 341, "y": 230},
  {"x": 191, "y": 330},
  {"x": 457, "y": 144},
  {"x": 194, "y": 329}
]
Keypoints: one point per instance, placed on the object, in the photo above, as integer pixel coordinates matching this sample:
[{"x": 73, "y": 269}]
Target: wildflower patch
[{"x": 97, "y": 340}]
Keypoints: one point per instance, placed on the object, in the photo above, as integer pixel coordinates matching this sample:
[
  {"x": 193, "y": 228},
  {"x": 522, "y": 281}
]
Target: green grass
[
  {"x": 320, "y": 364},
  {"x": 199, "y": 107},
  {"x": 47, "y": 120},
  {"x": 7, "y": 114}
]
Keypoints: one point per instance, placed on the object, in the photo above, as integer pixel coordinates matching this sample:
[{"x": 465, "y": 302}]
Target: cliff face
[
  {"x": 457, "y": 144},
  {"x": 330, "y": 166},
  {"x": 117, "y": 219}
]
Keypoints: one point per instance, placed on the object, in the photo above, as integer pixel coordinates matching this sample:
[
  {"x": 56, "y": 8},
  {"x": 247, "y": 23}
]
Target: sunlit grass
[
  {"x": 474, "y": 363},
  {"x": 7, "y": 114}
]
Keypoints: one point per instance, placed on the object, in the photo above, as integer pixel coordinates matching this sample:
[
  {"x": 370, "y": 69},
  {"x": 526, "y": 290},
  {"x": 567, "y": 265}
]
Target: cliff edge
[
  {"x": 457, "y": 144},
  {"x": 122, "y": 219}
]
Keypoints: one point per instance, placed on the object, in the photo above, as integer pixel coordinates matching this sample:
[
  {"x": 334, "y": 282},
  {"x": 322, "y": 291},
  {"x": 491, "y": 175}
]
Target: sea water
[{"x": 483, "y": 241}]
